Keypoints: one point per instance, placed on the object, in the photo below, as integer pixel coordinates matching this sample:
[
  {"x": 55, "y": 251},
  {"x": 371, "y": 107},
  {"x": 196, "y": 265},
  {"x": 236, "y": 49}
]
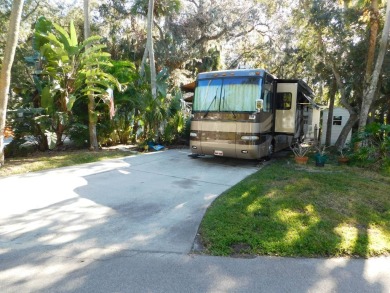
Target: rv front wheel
[{"x": 271, "y": 150}]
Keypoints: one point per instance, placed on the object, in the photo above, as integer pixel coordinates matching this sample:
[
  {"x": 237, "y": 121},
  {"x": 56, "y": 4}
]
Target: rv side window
[
  {"x": 267, "y": 94},
  {"x": 267, "y": 101},
  {"x": 283, "y": 101}
]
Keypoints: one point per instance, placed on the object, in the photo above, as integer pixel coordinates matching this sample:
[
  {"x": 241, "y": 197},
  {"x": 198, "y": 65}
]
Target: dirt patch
[{"x": 241, "y": 250}]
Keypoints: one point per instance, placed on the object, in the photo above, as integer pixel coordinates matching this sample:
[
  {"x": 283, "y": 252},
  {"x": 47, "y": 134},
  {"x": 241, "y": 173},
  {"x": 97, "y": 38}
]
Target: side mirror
[{"x": 259, "y": 104}]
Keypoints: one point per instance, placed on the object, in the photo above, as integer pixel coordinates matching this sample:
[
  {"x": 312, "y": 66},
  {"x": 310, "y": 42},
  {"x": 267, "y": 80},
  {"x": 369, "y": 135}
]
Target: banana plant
[{"x": 73, "y": 70}]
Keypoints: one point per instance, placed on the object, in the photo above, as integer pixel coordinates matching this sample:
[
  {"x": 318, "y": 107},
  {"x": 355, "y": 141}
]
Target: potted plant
[
  {"x": 300, "y": 150},
  {"x": 343, "y": 158},
  {"x": 320, "y": 156}
]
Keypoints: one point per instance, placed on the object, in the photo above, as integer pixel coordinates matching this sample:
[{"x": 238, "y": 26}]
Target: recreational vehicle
[{"x": 249, "y": 113}]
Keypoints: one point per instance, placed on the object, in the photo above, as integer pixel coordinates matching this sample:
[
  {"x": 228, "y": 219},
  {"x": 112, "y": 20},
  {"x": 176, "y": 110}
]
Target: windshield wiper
[
  {"x": 227, "y": 106},
  {"x": 212, "y": 101}
]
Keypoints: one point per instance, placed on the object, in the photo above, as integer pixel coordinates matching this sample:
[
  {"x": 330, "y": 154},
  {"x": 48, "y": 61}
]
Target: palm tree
[
  {"x": 5, "y": 74},
  {"x": 149, "y": 50},
  {"x": 91, "y": 100},
  {"x": 370, "y": 88}
]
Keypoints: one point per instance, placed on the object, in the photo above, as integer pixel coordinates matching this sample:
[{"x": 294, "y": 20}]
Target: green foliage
[
  {"x": 19, "y": 148},
  {"x": 161, "y": 8},
  {"x": 211, "y": 61},
  {"x": 119, "y": 128},
  {"x": 26, "y": 123},
  {"x": 374, "y": 147},
  {"x": 47, "y": 99},
  {"x": 78, "y": 125},
  {"x": 71, "y": 70},
  {"x": 161, "y": 117},
  {"x": 44, "y": 26},
  {"x": 79, "y": 134}
]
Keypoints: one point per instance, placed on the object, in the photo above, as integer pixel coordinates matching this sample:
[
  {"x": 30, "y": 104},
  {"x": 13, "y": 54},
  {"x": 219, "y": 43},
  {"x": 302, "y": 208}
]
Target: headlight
[{"x": 250, "y": 137}]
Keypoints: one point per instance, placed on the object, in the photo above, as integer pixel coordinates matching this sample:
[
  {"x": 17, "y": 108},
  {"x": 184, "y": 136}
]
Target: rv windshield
[{"x": 233, "y": 94}]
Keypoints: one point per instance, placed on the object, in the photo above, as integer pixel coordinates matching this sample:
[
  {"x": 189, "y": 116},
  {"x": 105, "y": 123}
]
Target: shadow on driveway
[{"x": 130, "y": 228}]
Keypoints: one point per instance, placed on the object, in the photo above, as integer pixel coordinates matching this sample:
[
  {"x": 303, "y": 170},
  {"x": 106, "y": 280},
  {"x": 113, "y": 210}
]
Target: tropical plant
[
  {"x": 176, "y": 120},
  {"x": 321, "y": 155},
  {"x": 374, "y": 146},
  {"x": 344, "y": 151},
  {"x": 155, "y": 111},
  {"x": 71, "y": 70},
  {"x": 321, "y": 149},
  {"x": 300, "y": 149},
  {"x": 119, "y": 129}
]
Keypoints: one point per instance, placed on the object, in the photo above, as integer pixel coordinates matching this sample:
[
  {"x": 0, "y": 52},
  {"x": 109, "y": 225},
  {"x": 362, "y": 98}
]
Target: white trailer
[{"x": 339, "y": 119}]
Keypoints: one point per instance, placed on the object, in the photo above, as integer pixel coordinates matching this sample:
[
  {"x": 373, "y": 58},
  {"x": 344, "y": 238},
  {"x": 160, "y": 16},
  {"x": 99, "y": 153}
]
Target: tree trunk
[
  {"x": 353, "y": 118},
  {"x": 369, "y": 91},
  {"x": 94, "y": 146},
  {"x": 344, "y": 101},
  {"x": 143, "y": 62},
  {"x": 150, "y": 49},
  {"x": 135, "y": 127},
  {"x": 374, "y": 26},
  {"x": 346, "y": 3},
  {"x": 5, "y": 74},
  {"x": 87, "y": 24},
  {"x": 329, "y": 123}
]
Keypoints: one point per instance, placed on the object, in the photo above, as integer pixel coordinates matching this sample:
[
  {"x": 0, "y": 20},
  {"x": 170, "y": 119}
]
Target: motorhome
[{"x": 249, "y": 113}]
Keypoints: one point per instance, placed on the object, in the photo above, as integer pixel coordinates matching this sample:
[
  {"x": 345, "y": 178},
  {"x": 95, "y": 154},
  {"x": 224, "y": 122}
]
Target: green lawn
[
  {"x": 288, "y": 210},
  {"x": 50, "y": 159}
]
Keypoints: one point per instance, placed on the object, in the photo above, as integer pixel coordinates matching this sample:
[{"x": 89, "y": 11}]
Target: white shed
[{"x": 340, "y": 117}]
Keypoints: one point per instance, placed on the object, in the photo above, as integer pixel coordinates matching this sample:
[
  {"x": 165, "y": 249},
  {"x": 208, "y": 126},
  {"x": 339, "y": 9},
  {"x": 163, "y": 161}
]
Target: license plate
[{"x": 218, "y": 153}]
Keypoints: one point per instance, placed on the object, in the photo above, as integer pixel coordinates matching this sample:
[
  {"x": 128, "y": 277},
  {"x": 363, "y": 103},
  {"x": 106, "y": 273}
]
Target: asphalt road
[{"x": 128, "y": 225}]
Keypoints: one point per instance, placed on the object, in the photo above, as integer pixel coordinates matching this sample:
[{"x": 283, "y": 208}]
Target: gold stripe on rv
[{"x": 218, "y": 126}]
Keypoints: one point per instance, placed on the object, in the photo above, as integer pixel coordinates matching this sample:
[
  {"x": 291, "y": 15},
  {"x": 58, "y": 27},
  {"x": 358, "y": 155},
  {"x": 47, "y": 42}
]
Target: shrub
[{"x": 373, "y": 147}]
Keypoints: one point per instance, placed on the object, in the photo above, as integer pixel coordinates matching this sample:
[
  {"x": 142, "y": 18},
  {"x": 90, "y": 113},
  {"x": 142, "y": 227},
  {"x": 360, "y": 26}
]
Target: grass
[
  {"x": 287, "y": 210},
  {"x": 54, "y": 159}
]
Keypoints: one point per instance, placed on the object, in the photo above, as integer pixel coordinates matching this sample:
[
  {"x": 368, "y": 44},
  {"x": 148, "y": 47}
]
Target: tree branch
[
  {"x": 31, "y": 12},
  {"x": 159, "y": 29},
  {"x": 193, "y": 2}
]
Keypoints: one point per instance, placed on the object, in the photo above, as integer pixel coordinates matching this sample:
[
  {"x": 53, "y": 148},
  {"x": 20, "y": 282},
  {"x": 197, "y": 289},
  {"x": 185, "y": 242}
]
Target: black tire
[{"x": 271, "y": 151}]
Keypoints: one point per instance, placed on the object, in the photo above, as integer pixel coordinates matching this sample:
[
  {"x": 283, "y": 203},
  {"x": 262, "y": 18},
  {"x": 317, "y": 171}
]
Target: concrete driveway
[
  {"x": 127, "y": 225},
  {"x": 152, "y": 202}
]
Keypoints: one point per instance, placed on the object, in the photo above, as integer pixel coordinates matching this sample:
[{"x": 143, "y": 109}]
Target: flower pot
[
  {"x": 301, "y": 160},
  {"x": 343, "y": 160},
  {"x": 320, "y": 160}
]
